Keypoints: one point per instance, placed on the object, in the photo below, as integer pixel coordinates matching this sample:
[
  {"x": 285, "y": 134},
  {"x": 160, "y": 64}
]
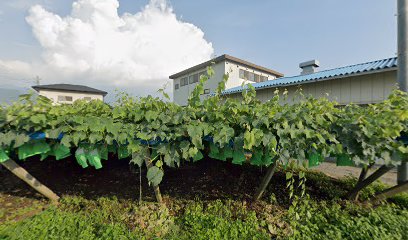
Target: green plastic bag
[
  {"x": 228, "y": 152},
  {"x": 198, "y": 156},
  {"x": 238, "y": 157},
  {"x": 123, "y": 152},
  {"x": 46, "y": 154},
  {"x": 81, "y": 157},
  {"x": 214, "y": 151},
  {"x": 267, "y": 159},
  {"x": 111, "y": 149},
  {"x": 256, "y": 158},
  {"x": 103, "y": 151},
  {"x": 344, "y": 160},
  {"x": 3, "y": 156},
  {"x": 221, "y": 155},
  {"x": 61, "y": 151},
  {"x": 94, "y": 158},
  {"x": 33, "y": 148},
  {"x": 315, "y": 159}
]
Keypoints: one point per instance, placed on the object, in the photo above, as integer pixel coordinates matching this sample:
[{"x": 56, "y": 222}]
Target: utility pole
[
  {"x": 37, "y": 80},
  {"x": 402, "y": 67}
]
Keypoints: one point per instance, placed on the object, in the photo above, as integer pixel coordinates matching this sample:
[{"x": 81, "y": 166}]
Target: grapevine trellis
[{"x": 155, "y": 132}]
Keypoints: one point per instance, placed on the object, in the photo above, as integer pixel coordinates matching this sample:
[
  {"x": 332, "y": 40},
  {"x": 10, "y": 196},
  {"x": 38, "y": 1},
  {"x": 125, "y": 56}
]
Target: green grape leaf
[{"x": 154, "y": 175}]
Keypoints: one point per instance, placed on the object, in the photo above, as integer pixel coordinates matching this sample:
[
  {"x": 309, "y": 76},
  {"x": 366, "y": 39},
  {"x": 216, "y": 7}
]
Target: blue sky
[{"x": 274, "y": 34}]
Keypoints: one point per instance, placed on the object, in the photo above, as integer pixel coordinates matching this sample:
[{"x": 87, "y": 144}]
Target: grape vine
[{"x": 164, "y": 133}]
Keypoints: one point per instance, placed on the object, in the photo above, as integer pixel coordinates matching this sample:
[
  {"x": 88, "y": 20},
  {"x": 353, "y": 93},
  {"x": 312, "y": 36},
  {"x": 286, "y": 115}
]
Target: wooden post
[
  {"x": 266, "y": 180},
  {"x": 30, "y": 180},
  {"x": 391, "y": 191},
  {"x": 156, "y": 189},
  {"x": 363, "y": 175},
  {"x": 364, "y": 172},
  {"x": 353, "y": 194}
]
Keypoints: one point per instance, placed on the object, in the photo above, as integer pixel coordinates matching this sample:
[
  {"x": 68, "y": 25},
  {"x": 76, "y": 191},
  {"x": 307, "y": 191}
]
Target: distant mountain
[{"x": 8, "y": 95}]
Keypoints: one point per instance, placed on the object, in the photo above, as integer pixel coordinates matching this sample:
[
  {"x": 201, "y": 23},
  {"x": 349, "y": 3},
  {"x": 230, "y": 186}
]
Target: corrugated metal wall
[{"x": 363, "y": 89}]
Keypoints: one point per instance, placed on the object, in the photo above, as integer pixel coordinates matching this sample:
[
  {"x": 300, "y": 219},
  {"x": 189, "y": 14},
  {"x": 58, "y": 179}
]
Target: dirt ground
[
  {"x": 205, "y": 180},
  {"x": 210, "y": 179}
]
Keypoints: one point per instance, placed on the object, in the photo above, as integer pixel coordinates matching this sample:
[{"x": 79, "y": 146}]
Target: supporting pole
[
  {"x": 403, "y": 67},
  {"x": 156, "y": 189},
  {"x": 402, "y": 173},
  {"x": 402, "y": 187},
  {"x": 364, "y": 172},
  {"x": 363, "y": 175},
  {"x": 30, "y": 180},
  {"x": 265, "y": 181},
  {"x": 353, "y": 194}
]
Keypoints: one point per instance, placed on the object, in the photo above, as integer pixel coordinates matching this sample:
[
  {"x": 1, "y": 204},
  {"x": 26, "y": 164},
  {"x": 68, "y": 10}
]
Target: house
[
  {"x": 68, "y": 93},
  {"x": 362, "y": 83},
  {"x": 239, "y": 72}
]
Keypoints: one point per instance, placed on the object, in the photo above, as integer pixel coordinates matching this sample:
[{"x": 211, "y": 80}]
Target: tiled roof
[{"x": 368, "y": 67}]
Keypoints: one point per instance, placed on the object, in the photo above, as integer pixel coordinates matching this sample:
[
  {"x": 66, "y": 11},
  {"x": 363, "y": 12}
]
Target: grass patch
[
  {"x": 109, "y": 218},
  {"x": 331, "y": 220}
]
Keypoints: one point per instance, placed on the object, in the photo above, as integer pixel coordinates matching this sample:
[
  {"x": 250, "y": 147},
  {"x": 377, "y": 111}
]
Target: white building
[
  {"x": 362, "y": 83},
  {"x": 67, "y": 93},
  {"x": 239, "y": 71}
]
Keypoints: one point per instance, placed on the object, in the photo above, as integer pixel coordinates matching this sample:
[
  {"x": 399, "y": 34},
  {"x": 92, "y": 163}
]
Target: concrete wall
[
  {"x": 233, "y": 71},
  {"x": 180, "y": 96},
  {"x": 362, "y": 89},
  {"x": 53, "y": 95}
]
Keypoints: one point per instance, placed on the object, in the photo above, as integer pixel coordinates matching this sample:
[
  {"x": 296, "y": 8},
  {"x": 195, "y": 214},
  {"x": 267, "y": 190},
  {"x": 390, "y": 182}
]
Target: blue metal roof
[{"x": 323, "y": 75}]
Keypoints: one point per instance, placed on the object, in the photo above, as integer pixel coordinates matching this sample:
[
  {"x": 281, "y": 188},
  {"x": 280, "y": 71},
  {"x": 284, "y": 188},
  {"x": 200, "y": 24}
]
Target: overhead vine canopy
[{"x": 306, "y": 131}]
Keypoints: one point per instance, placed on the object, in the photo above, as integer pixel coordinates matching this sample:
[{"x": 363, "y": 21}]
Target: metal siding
[
  {"x": 345, "y": 91},
  {"x": 337, "y": 72},
  {"x": 355, "y": 90},
  {"x": 366, "y": 89},
  {"x": 378, "y": 88},
  {"x": 319, "y": 90},
  {"x": 388, "y": 86},
  {"x": 336, "y": 90}
]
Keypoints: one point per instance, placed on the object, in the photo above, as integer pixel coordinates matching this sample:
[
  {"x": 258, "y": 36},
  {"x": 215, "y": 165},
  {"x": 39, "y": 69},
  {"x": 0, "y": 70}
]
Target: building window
[
  {"x": 176, "y": 86},
  {"x": 64, "y": 98},
  {"x": 87, "y": 98},
  {"x": 257, "y": 78},
  {"x": 241, "y": 74},
  {"x": 246, "y": 75},
  {"x": 251, "y": 77},
  {"x": 193, "y": 78},
  {"x": 207, "y": 91},
  {"x": 183, "y": 81}
]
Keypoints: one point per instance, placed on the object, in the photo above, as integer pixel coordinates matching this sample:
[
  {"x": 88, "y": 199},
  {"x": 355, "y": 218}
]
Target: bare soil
[{"x": 205, "y": 180}]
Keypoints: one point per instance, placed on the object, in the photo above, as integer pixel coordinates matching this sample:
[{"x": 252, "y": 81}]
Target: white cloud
[{"x": 97, "y": 47}]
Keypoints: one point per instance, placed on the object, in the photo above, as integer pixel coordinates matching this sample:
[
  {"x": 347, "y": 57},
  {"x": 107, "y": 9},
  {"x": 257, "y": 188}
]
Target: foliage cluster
[{"x": 163, "y": 133}]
